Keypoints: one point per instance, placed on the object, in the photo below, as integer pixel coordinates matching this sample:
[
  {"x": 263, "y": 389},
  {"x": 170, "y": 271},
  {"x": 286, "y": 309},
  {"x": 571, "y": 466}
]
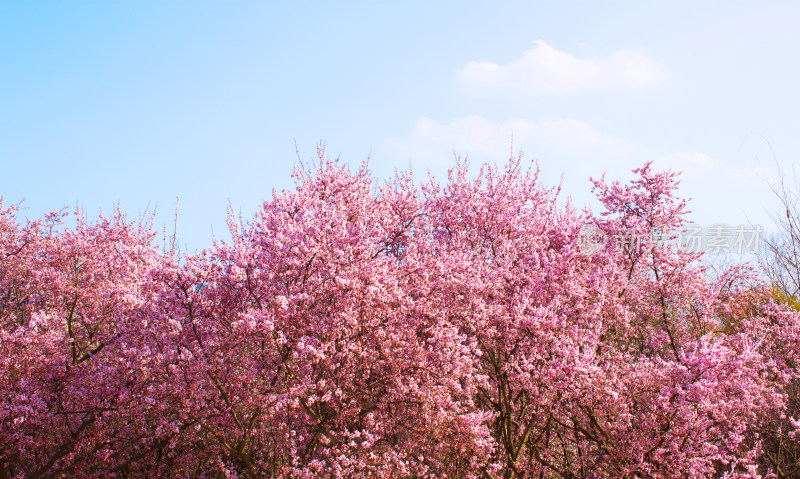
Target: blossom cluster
[{"x": 358, "y": 329}]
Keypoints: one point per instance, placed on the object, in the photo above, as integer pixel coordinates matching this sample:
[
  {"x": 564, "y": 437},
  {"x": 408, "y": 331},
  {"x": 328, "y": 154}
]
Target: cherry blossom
[{"x": 363, "y": 329}]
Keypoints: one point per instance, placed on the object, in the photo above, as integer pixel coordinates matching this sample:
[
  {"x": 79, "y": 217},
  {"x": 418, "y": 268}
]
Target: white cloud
[
  {"x": 434, "y": 142},
  {"x": 753, "y": 176},
  {"x": 545, "y": 70},
  {"x": 689, "y": 162},
  {"x": 713, "y": 171}
]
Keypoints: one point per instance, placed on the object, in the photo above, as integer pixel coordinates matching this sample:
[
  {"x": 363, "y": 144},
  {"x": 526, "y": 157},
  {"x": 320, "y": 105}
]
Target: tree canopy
[{"x": 364, "y": 329}]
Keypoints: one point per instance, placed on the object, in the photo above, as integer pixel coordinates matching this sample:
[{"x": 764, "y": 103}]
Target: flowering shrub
[{"x": 362, "y": 330}]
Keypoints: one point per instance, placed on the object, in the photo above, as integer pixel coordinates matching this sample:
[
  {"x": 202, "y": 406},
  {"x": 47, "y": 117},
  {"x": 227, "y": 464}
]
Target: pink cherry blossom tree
[{"x": 358, "y": 329}]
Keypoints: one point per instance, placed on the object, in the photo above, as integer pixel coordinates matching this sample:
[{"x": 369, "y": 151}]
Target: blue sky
[{"x": 140, "y": 102}]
